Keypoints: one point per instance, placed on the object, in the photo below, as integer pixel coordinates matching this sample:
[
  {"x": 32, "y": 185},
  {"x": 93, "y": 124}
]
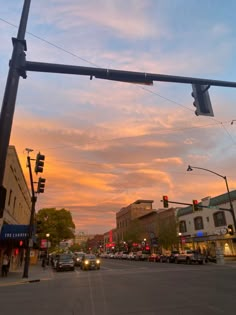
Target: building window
[
  {"x": 182, "y": 227},
  {"x": 219, "y": 218},
  {"x": 198, "y": 223}
]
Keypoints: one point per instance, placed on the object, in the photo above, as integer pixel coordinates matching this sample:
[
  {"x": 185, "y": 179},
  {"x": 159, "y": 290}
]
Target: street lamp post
[
  {"x": 47, "y": 236},
  {"x": 190, "y": 168}
]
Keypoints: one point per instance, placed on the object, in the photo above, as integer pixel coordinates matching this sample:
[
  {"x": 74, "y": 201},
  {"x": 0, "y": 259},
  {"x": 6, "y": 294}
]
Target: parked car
[
  {"x": 171, "y": 257},
  {"x": 124, "y": 255},
  {"x": 154, "y": 257},
  {"x": 189, "y": 257},
  {"x": 90, "y": 261},
  {"x": 142, "y": 255},
  {"x": 65, "y": 262},
  {"x": 163, "y": 258},
  {"x": 78, "y": 258},
  {"x": 131, "y": 256},
  {"x": 111, "y": 255}
]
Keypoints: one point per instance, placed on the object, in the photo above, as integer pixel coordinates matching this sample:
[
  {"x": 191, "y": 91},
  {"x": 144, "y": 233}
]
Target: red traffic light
[
  {"x": 195, "y": 205},
  {"x": 165, "y": 201}
]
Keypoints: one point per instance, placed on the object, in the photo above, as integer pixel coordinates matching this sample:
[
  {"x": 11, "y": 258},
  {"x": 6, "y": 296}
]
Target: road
[{"x": 127, "y": 287}]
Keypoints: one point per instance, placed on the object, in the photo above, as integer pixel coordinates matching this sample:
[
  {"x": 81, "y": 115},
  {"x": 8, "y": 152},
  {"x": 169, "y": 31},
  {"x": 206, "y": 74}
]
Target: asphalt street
[{"x": 126, "y": 287}]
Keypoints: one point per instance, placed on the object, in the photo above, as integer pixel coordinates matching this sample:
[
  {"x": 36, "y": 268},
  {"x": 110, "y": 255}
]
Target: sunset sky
[{"x": 107, "y": 143}]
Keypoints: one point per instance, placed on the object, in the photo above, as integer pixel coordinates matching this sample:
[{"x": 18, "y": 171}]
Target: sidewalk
[{"x": 36, "y": 273}]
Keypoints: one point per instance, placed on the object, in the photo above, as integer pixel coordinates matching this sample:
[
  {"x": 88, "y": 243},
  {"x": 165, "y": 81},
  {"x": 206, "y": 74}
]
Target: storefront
[
  {"x": 13, "y": 239},
  {"x": 209, "y": 244}
]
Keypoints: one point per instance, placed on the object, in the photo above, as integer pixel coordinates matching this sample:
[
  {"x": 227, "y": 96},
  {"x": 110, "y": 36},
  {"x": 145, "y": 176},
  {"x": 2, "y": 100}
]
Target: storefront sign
[{"x": 14, "y": 231}]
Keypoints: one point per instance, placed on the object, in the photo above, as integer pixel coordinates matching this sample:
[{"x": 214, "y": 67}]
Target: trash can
[{"x": 220, "y": 260}]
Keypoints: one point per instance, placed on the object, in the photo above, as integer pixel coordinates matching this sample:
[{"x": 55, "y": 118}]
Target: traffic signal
[
  {"x": 202, "y": 100},
  {"x": 165, "y": 201},
  {"x": 195, "y": 205},
  {"x": 230, "y": 229},
  {"x": 41, "y": 185},
  {"x": 39, "y": 163}
]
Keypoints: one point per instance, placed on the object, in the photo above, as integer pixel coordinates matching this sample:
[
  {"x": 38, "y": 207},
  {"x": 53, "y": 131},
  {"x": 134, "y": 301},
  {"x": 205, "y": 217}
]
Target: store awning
[{"x": 14, "y": 231}]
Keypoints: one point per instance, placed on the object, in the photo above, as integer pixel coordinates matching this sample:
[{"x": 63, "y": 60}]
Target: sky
[{"x": 108, "y": 144}]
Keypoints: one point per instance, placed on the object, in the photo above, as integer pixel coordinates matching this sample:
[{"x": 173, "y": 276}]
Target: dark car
[
  {"x": 172, "y": 256},
  {"x": 65, "y": 262},
  {"x": 90, "y": 261},
  {"x": 78, "y": 258}
]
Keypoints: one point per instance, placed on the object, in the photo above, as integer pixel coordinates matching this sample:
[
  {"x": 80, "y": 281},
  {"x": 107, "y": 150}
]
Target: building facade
[
  {"x": 208, "y": 228},
  {"x": 17, "y": 209},
  {"x": 126, "y": 215}
]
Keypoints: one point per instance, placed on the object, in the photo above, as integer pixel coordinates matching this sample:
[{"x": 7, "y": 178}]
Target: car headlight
[
  {"x": 86, "y": 262},
  {"x": 97, "y": 261}
]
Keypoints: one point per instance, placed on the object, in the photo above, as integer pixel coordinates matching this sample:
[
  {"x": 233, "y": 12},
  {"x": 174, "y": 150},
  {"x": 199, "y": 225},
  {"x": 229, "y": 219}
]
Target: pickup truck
[{"x": 189, "y": 257}]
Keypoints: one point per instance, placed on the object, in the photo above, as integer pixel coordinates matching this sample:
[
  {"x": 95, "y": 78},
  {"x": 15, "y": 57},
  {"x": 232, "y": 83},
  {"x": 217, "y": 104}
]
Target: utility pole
[{"x": 31, "y": 224}]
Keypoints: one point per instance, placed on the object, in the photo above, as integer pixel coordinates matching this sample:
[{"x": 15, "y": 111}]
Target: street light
[
  {"x": 190, "y": 168},
  {"x": 47, "y": 236}
]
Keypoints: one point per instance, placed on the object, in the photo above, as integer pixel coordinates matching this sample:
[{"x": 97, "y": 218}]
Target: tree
[
  {"x": 167, "y": 234},
  {"x": 57, "y": 223},
  {"x": 134, "y": 233}
]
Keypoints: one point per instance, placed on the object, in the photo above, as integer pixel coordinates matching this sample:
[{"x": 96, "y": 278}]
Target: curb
[{"x": 31, "y": 281}]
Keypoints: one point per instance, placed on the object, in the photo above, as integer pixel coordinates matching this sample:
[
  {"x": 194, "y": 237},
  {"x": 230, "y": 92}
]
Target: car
[
  {"x": 154, "y": 257},
  {"x": 111, "y": 255},
  {"x": 78, "y": 257},
  {"x": 142, "y": 255},
  {"x": 90, "y": 261},
  {"x": 65, "y": 262},
  {"x": 163, "y": 258},
  {"x": 170, "y": 258},
  {"x": 131, "y": 256},
  {"x": 189, "y": 257},
  {"x": 124, "y": 255}
]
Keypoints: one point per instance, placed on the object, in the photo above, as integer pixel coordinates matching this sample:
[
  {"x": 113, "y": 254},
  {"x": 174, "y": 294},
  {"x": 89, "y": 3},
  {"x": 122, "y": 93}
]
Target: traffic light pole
[
  {"x": 200, "y": 206},
  {"x": 119, "y": 75},
  {"x": 9, "y": 98},
  {"x": 31, "y": 223}
]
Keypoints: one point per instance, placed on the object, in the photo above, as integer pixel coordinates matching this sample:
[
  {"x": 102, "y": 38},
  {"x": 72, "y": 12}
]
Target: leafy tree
[
  {"x": 57, "y": 223},
  {"x": 75, "y": 248},
  {"x": 134, "y": 233},
  {"x": 167, "y": 234}
]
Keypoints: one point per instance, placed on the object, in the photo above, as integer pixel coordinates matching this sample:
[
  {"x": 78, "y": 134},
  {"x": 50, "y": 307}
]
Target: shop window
[
  {"x": 219, "y": 218},
  {"x": 198, "y": 223},
  {"x": 182, "y": 227}
]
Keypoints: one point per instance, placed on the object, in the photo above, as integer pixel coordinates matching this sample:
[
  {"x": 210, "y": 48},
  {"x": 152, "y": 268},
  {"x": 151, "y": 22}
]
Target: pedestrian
[
  {"x": 43, "y": 262},
  {"x": 5, "y": 265}
]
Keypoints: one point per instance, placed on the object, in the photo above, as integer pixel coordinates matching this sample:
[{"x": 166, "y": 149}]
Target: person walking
[
  {"x": 44, "y": 262},
  {"x": 5, "y": 265}
]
